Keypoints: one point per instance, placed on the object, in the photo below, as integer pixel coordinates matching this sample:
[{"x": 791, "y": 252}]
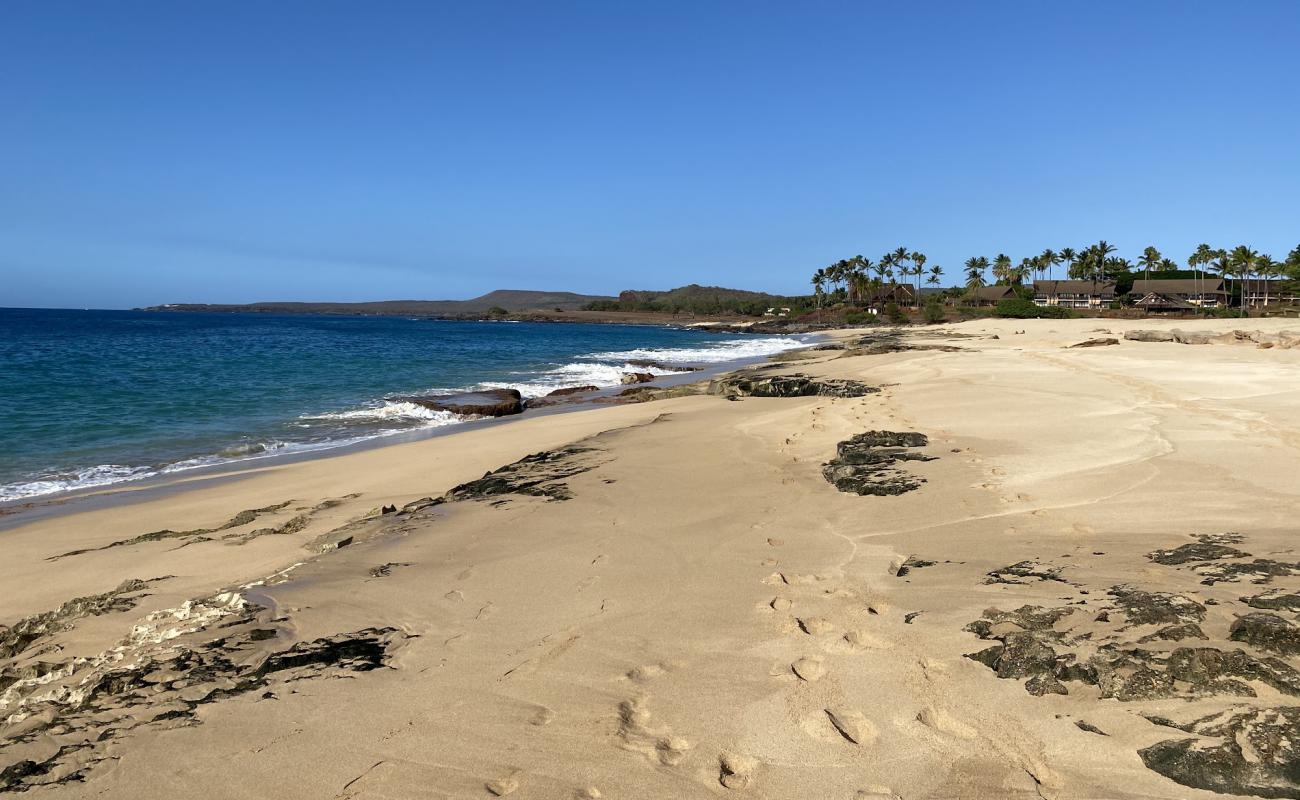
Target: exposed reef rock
[
  {"x": 866, "y": 463},
  {"x": 1275, "y": 600},
  {"x": 1023, "y": 572},
  {"x": 1281, "y": 339},
  {"x": 636, "y": 377},
  {"x": 61, "y": 725},
  {"x": 646, "y": 363},
  {"x": 1104, "y": 341},
  {"x": 1267, "y": 632},
  {"x": 485, "y": 403},
  {"x": 1253, "y": 751},
  {"x": 748, "y": 384},
  {"x": 537, "y": 475},
  {"x": 571, "y": 390},
  {"x": 1156, "y": 608},
  {"x": 1207, "y": 549},
  {"x": 29, "y": 630},
  {"x": 240, "y": 519}
]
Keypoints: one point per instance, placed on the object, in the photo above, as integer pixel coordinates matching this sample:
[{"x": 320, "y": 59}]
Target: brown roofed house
[
  {"x": 1074, "y": 294},
  {"x": 1179, "y": 294}
]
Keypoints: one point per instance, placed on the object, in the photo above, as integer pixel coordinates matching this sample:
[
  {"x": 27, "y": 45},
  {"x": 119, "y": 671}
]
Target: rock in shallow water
[{"x": 486, "y": 403}]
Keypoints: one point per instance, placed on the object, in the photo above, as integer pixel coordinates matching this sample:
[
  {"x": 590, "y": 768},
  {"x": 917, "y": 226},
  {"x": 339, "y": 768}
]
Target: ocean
[{"x": 93, "y": 398}]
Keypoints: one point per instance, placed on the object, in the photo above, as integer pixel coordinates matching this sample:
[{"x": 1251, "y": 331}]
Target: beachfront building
[
  {"x": 987, "y": 295},
  {"x": 1179, "y": 294},
  {"x": 902, "y": 293},
  {"x": 1268, "y": 292},
  {"x": 1074, "y": 294}
]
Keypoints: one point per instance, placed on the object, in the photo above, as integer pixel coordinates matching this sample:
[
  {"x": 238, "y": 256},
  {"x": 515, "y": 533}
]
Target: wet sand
[{"x": 674, "y": 601}]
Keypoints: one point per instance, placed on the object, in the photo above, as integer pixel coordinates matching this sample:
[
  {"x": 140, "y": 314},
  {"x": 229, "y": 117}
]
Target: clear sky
[{"x": 241, "y": 151}]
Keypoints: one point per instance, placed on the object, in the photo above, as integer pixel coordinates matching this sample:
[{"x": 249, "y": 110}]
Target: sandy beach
[{"x": 1080, "y": 583}]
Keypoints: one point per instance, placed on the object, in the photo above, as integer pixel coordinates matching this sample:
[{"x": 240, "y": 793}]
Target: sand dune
[{"x": 673, "y": 601}]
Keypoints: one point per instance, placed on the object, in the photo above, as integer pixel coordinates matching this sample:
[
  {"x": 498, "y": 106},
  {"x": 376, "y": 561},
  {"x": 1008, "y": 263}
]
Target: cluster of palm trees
[{"x": 861, "y": 278}]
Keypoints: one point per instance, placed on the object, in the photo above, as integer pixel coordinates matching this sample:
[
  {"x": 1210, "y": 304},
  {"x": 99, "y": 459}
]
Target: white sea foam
[
  {"x": 575, "y": 374},
  {"x": 714, "y": 353},
  {"x": 89, "y": 478},
  {"x": 389, "y": 410}
]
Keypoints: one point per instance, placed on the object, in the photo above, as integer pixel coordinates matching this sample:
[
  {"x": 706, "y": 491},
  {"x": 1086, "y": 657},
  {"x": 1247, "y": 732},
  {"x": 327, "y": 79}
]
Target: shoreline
[
  {"x": 949, "y": 572},
  {"x": 20, "y": 510}
]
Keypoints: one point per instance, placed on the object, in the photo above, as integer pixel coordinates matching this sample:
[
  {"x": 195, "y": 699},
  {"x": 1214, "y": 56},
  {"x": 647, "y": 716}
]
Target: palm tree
[
  {"x": 918, "y": 269},
  {"x": 1243, "y": 261},
  {"x": 975, "y": 266},
  {"x": 1049, "y": 258},
  {"x": 1068, "y": 256},
  {"x": 1221, "y": 263},
  {"x": 819, "y": 286},
  {"x": 1028, "y": 266},
  {"x": 1267, "y": 269},
  {"x": 1100, "y": 251},
  {"x": 1199, "y": 261},
  {"x": 935, "y": 272},
  {"x": 1150, "y": 259},
  {"x": 1002, "y": 268}
]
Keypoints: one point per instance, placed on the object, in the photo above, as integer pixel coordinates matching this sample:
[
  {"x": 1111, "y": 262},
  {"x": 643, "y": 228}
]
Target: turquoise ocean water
[{"x": 91, "y": 398}]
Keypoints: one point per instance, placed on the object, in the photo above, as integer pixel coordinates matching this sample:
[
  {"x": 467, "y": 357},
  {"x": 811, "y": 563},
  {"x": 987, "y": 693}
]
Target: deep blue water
[{"x": 95, "y": 397}]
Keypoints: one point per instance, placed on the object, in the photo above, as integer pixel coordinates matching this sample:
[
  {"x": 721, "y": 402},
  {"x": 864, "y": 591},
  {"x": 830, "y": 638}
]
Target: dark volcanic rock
[
  {"x": 1275, "y": 600},
  {"x": 1021, "y": 572},
  {"x": 23, "y": 633},
  {"x": 1156, "y": 608},
  {"x": 537, "y": 475},
  {"x": 910, "y": 564},
  {"x": 748, "y": 384},
  {"x": 1174, "y": 633},
  {"x": 568, "y": 390},
  {"x": 485, "y": 403},
  {"x": 1197, "y": 551},
  {"x": 1255, "y": 751},
  {"x": 866, "y": 464},
  {"x": 636, "y": 377},
  {"x": 1261, "y": 570},
  {"x": 1267, "y": 632},
  {"x": 1040, "y": 685}
]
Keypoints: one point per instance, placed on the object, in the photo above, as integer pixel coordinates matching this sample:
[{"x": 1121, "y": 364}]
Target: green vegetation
[
  {"x": 933, "y": 312},
  {"x": 695, "y": 299},
  {"x": 497, "y": 311},
  {"x": 1020, "y": 308}
]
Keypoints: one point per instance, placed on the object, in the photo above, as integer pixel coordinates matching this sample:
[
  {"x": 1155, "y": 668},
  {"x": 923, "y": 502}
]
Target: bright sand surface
[{"x": 704, "y": 616}]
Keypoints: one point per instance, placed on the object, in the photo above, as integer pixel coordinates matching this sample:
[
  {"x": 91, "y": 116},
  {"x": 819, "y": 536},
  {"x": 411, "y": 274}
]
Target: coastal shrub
[
  {"x": 933, "y": 312},
  {"x": 1020, "y": 308},
  {"x": 859, "y": 318},
  {"x": 896, "y": 315},
  {"x": 497, "y": 311}
]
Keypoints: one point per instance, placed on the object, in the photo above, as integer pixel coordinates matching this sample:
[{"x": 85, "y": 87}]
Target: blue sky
[{"x": 230, "y": 152}]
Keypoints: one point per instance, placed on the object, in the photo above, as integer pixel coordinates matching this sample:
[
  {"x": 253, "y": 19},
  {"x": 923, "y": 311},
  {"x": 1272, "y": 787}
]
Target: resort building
[
  {"x": 902, "y": 293},
  {"x": 1269, "y": 292},
  {"x": 1179, "y": 294},
  {"x": 1074, "y": 294},
  {"x": 987, "y": 295}
]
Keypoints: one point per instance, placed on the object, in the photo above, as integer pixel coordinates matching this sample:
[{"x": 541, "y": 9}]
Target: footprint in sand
[
  {"x": 465, "y": 574},
  {"x": 646, "y": 672},
  {"x": 814, "y": 626},
  {"x": 736, "y": 771},
  {"x": 852, "y": 725},
  {"x": 779, "y": 603},
  {"x": 861, "y": 640},
  {"x": 588, "y": 793},
  {"x": 543, "y": 716},
  {"x": 657, "y": 744},
  {"x": 943, "y": 722},
  {"x": 776, "y": 542},
  {"x": 809, "y": 668},
  {"x": 600, "y": 559},
  {"x": 455, "y": 596}
]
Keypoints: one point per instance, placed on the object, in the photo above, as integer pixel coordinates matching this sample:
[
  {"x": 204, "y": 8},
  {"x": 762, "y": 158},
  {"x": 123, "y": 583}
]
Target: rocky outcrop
[
  {"x": 572, "y": 390},
  {"x": 1204, "y": 550},
  {"x": 646, "y": 363},
  {"x": 636, "y": 377},
  {"x": 1267, "y": 632},
  {"x": 538, "y": 475},
  {"x": 866, "y": 464},
  {"x": 1281, "y": 339},
  {"x": 749, "y": 384},
  {"x": 485, "y": 403},
  {"x": 1247, "y": 751},
  {"x": 1104, "y": 341},
  {"x": 29, "y": 630}
]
